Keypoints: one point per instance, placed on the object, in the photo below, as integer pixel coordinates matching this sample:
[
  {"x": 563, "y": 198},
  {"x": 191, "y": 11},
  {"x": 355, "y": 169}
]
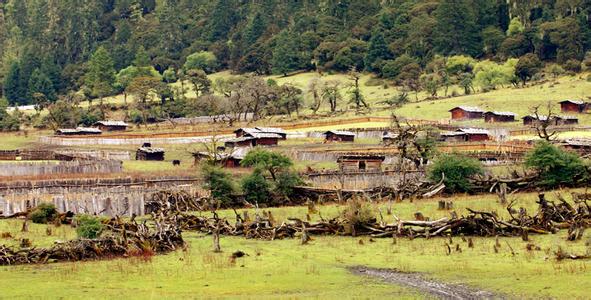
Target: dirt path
[{"x": 432, "y": 288}]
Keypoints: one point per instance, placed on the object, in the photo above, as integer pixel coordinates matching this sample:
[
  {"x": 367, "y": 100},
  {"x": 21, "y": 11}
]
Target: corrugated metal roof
[
  {"x": 577, "y": 102},
  {"x": 112, "y": 123},
  {"x": 567, "y": 117},
  {"x": 151, "y": 150},
  {"x": 270, "y": 130},
  {"x": 88, "y": 129},
  {"x": 390, "y": 135},
  {"x": 264, "y": 135},
  {"x": 240, "y": 152},
  {"x": 502, "y": 113},
  {"x": 541, "y": 117},
  {"x": 246, "y": 130},
  {"x": 339, "y": 132},
  {"x": 469, "y": 108},
  {"x": 451, "y": 133},
  {"x": 473, "y": 131}
]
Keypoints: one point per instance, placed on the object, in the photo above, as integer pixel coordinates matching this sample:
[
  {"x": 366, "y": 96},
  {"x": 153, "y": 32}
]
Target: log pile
[
  {"x": 550, "y": 218},
  {"x": 125, "y": 239},
  {"x": 170, "y": 200}
]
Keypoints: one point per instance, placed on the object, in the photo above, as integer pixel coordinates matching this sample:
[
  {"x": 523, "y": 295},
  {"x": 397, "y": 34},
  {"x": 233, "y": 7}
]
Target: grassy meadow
[{"x": 286, "y": 269}]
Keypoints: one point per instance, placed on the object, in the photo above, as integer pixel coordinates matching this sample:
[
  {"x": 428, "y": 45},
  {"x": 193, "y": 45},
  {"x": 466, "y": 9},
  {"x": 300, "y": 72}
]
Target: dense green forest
[{"x": 48, "y": 48}]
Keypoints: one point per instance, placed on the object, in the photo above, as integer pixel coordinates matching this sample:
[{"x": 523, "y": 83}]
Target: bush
[
  {"x": 286, "y": 181},
  {"x": 43, "y": 213},
  {"x": 555, "y": 166},
  {"x": 573, "y": 65},
  {"x": 357, "y": 213},
  {"x": 457, "y": 170},
  {"x": 219, "y": 183},
  {"x": 88, "y": 227},
  {"x": 256, "y": 188}
]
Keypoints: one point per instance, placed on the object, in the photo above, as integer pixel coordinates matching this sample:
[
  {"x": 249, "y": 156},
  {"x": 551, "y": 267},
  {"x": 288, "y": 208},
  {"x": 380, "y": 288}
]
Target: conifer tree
[
  {"x": 456, "y": 31},
  {"x": 101, "y": 73},
  {"x": 39, "y": 83}
]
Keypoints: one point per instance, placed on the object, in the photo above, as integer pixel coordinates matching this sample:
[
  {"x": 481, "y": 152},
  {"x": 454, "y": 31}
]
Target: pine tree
[
  {"x": 222, "y": 19},
  {"x": 378, "y": 50},
  {"x": 255, "y": 29},
  {"x": 142, "y": 59},
  {"x": 101, "y": 73},
  {"x": 12, "y": 90},
  {"x": 41, "y": 84},
  {"x": 456, "y": 31},
  {"x": 285, "y": 54}
]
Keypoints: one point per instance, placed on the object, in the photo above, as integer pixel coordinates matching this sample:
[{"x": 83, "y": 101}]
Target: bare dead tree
[{"x": 542, "y": 123}]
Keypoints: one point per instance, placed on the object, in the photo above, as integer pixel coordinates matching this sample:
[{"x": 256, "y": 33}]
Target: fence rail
[{"x": 62, "y": 167}]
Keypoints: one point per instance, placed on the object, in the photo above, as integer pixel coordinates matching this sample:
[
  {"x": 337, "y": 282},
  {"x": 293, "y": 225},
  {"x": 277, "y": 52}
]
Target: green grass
[
  {"x": 18, "y": 140},
  {"x": 285, "y": 269}
]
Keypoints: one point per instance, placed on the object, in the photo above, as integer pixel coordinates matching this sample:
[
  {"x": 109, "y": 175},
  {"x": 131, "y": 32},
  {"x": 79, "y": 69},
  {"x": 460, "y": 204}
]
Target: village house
[
  {"x": 361, "y": 163},
  {"x": 227, "y": 160},
  {"x": 466, "y": 113},
  {"x": 339, "y": 136},
  {"x": 147, "y": 152},
  {"x": 389, "y": 138},
  {"x": 499, "y": 116},
  {"x": 566, "y": 120},
  {"x": 465, "y": 135},
  {"x": 244, "y": 141},
  {"x": 254, "y": 138},
  {"x": 240, "y": 132},
  {"x": 79, "y": 131},
  {"x": 111, "y": 125},
  {"x": 582, "y": 146},
  {"x": 273, "y": 130},
  {"x": 532, "y": 120},
  {"x": 575, "y": 106}
]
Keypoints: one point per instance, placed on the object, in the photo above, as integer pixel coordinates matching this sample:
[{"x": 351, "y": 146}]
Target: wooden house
[
  {"x": 566, "y": 120},
  {"x": 240, "y": 132},
  {"x": 278, "y": 131},
  {"x": 466, "y": 113},
  {"x": 499, "y": 116},
  {"x": 452, "y": 136},
  {"x": 111, "y": 125},
  {"x": 149, "y": 153},
  {"x": 339, "y": 136},
  {"x": 235, "y": 157},
  {"x": 475, "y": 134},
  {"x": 389, "y": 138},
  {"x": 575, "y": 106},
  {"x": 361, "y": 163},
  {"x": 264, "y": 139},
  {"x": 583, "y": 146},
  {"x": 243, "y": 141},
  {"x": 79, "y": 131},
  {"x": 532, "y": 120}
]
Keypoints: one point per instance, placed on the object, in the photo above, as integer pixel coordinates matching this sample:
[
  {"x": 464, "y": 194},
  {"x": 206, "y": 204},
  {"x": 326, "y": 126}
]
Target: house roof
[
  {"x": 246, "y": 130},
  {"x": 271, "y": 130},
  {"x": 452, "y": 133},
  {"x": 577, "y": 102},
  {"x": 67, "y": 130},
  {"x": 264, "y": 135},
  {"x": 578, "y": 142},
  {"x": 361, "y": 157},
  {"x": 112, "y": 123},
  {"x": 240, "y": 139},
  {"x": 240, "y": 152},
  {"x": 541, "y": 117},
  {"x": 472, "y": 131},
  {"x": 339, "y": 132},
  {"x": 469, "y": 109},
  {"x": 501, "y": 113},
  {"x": 567, "y": 117},
  {"x": 151, "y": 150},
  {"x": 390, "y": 135}
]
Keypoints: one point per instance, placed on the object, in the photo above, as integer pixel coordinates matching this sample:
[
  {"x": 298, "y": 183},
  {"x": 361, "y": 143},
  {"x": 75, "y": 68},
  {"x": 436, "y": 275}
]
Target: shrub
[
  {"x": 573, "y": 65},
  {"x": 286, "y": 181},
  {"x": 88, "y": 227},
  {"x": 43, "y": 213},
  {"x": 357, "y": 213},
  {"x": 555, "y": 166},
  {"x": 457, "y": 170},
  {"x": 219, "y": 183},
  {"x": 256, "y": 188}
]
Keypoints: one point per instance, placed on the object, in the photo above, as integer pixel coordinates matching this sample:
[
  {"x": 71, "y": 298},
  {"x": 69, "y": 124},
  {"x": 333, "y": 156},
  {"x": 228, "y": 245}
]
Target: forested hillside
[{"x": 46, "y": 46}]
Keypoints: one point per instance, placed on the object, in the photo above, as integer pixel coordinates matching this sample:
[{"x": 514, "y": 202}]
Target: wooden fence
[
  {"x": 62, "y": 167},
  {"x": 359, "y": 181}
]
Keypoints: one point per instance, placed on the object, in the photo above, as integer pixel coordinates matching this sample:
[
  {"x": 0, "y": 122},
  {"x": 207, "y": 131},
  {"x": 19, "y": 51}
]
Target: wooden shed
[
  {"x": 111, "y": 125},
  {"x": 243, "y": 141},
  {"x": 361, "y": 163},
  {"x": 466, "y": 113},
  {"x": 339, "y": 136},
  {"x": 566, "y": 120},
  {"x": 264, "y": 139},
  {"x": 240, "y": 132},
  {"x": 582, "y": 146},
  {"x": 79, "y": 131},
  {"x": 499, "y": 116},
  {"x": 533, "y": 120},
  {"x": 274, "y": 130},
  {"x": 575, "y": 106},
  {"x": 475, "y": 134},
  {"x": 452, "y": 136},
  {"x": 149, "y": 153}
]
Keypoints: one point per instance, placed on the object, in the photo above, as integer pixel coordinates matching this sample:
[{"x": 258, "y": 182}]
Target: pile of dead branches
[
  {"x": 550, "y": 218},
  {"x": 181, "y": 201},
  {"x": 124, "y": 239}
]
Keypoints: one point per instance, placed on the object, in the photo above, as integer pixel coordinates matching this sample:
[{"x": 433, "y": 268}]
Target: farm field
[{"x": 286, "y": 269}]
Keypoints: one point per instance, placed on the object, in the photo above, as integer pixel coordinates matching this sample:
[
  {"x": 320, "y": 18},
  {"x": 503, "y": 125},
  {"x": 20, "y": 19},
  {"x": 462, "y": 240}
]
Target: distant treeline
[{"x": 45, "y": 46}]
